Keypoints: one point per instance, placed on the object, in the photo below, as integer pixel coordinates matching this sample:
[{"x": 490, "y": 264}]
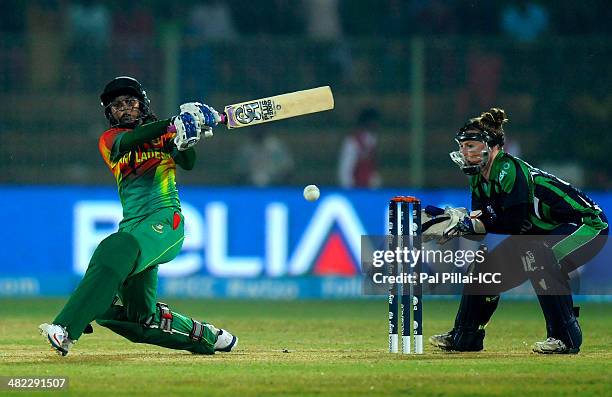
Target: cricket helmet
[
  {"x": 488, "y": 128},
  {"x": 124, "y": 85}
]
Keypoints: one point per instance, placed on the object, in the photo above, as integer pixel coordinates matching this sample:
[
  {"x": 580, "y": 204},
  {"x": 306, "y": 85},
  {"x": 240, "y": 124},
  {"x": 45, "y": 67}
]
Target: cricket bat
[{"x": 283, "y": 106}]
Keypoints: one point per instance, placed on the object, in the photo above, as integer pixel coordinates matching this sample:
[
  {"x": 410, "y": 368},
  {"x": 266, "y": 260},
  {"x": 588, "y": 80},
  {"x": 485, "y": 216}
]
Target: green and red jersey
[
  {"x": 518, "y": 198},
  {"x": 145, "y": 173}
]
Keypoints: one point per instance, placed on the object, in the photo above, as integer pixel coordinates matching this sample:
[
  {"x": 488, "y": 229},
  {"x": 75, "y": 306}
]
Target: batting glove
[
  {"x": 187, "y": 131},
  {"x": 206, "y": 115}
]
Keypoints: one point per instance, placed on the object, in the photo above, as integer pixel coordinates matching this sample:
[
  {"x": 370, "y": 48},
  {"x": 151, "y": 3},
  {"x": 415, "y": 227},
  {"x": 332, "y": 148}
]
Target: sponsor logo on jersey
[{"x": 528, "y": 261}]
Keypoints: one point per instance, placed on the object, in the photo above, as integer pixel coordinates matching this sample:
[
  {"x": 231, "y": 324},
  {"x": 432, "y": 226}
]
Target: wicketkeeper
[
  {"x": 555, "y": 229},
  {"x": 119, "y": 288}
]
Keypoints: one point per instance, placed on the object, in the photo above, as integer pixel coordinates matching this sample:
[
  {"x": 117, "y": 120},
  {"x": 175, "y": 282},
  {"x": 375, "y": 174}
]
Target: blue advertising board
[{"x": 240, "y": 242}]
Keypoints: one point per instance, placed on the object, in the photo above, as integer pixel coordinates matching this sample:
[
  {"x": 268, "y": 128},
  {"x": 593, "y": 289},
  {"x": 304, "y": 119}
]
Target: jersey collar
[{"x": 496, "y": 166}]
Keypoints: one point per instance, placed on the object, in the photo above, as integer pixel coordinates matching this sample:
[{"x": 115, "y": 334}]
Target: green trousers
[{"x": 125, "y": 264}]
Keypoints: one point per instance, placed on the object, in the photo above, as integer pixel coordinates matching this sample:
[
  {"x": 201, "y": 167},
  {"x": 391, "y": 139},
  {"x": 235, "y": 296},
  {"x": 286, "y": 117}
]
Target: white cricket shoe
[
  {"x": 57, "y": 336},
  {"x": 226, "y": 342},
  {"x": 553, "y": 346}
]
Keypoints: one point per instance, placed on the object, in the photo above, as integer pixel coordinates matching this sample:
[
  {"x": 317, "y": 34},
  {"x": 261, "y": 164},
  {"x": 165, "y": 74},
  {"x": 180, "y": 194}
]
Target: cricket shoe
[
  {"x": 461, "y": 340},
  {"x": 553, "y": 346},
  {"x": 57, "y": 336},
  {"x": 443, "y": 341},
  {"x": 226, "y": 342}
]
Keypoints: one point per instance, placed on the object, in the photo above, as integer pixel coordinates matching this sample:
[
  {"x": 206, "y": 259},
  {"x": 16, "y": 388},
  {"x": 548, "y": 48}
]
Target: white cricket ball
[{"x": 311, "y": 192}]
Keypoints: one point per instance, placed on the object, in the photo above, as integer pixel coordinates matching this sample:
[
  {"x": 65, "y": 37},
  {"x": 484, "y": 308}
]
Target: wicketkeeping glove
[{"x": 444, "y": 224}]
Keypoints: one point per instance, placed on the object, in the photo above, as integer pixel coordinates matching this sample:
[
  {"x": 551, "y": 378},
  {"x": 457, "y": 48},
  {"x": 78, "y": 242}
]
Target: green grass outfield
[{"x": 314, "y": 348}]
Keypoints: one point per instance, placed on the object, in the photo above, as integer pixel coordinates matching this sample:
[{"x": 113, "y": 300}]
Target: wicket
[{"x": 405, "y": 228}]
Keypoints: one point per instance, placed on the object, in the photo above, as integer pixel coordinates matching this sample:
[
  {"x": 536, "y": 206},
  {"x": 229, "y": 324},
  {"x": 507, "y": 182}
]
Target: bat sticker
[{"x": 255, "y": 111}]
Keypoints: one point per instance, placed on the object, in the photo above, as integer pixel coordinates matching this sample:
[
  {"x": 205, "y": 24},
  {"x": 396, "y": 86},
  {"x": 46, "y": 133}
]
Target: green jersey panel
[
  {"x": 550, "y": 200},
  {"x": 145, "y": 175}
]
